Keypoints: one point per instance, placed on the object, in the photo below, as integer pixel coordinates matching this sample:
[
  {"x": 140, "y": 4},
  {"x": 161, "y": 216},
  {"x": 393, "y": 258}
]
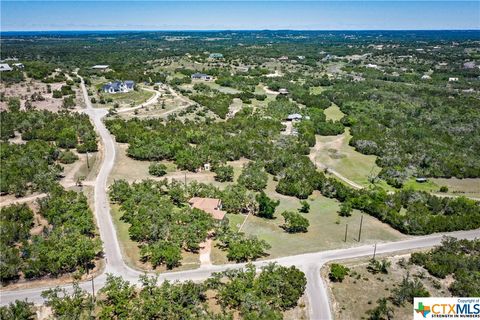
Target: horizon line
[{"x": 223, "y": 30}]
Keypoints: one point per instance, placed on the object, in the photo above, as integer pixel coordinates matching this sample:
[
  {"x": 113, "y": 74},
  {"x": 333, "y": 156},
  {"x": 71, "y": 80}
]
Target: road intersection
[{"x": 309, "y": 263}]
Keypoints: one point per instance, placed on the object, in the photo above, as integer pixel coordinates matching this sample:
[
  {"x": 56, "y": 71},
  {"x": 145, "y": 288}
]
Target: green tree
[
  {"x": 223, "y": 173},
  {"x": 266, "y": 206},
  {"x": 253, "y": 177},
  {"x": 338, "y": 272},
  {"x": 345, "y": 209},
  {"x": 21, "y": 310},
  {"x": 77, "y": 305},
  {"x": 295, "y": 222}
]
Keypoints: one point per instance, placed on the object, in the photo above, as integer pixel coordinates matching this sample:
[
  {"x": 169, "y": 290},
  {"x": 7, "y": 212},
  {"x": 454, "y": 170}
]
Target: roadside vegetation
[
  {"x": 64, "y": 240},
  {"x": 384, "y": 287},
  {"x": 226, "y": 295}
]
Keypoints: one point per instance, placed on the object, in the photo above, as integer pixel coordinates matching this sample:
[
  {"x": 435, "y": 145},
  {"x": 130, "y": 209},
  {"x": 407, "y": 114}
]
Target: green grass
[
  {"x": 333, "y": 113},
  {"x": 335, "y": 153},
  {"x": 467, "y": 187},
  {"x": 428, "y": 186},
  {"x": 326, "y": 229},
  {"x": 316, "y": 90},
  {"x": 128, "y": 98}
]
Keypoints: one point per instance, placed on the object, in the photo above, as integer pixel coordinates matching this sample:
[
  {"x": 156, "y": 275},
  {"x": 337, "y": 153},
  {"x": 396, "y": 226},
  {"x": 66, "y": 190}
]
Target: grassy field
[
  {"x": 359, "y": 292},
  {"x": 467, "y": 187},
  {"x": 333, "y": 113},
  {"x": 326, "y": 231},
  {"x": 334, "y": 152}
]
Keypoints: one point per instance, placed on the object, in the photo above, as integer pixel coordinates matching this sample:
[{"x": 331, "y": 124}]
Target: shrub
[
  {"x": 337, "y": 272},
  {"x": 157, "y": 169},
  {"x": 67, "y": 157}
]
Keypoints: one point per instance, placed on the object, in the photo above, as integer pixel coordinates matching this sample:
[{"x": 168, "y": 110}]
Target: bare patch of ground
[
  {"x": 24, "y": 91},
  {"x": 360, "y": 290}
]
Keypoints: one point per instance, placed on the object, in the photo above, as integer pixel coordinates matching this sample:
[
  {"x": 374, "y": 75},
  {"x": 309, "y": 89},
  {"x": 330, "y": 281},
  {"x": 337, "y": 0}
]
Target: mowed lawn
[{"x": 326, "y": 231}]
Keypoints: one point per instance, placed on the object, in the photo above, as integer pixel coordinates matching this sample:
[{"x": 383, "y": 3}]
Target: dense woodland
[
  {"x": 35, "y": 165},
  {"x": 224, "y": 296},
  {"x": 65, "y": 240},
  {"x": 458, "y": 258}
]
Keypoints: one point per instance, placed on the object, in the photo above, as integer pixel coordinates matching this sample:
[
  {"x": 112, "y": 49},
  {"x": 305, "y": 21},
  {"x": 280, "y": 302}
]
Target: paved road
[{"x": 310, "y": 263}]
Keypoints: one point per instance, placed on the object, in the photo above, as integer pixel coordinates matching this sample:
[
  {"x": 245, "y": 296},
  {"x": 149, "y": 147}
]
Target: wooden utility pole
[
  {"x": 93, "y": 289},
  {"x": 185, "y": 180},
  {"x": 360, "y": 231},
  {"x": 346, "y": 232},
  {"x": 374, "y": 251},
  {"x": 88, "y": 162}
]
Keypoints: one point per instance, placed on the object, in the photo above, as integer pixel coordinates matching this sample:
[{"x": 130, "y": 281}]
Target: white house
[
  {"x": 5, "y": 67},
  {"x": 201, "y": 76},
  {"x": 100, "y": 67},
  {"x": 119, "y": 86},
  {"x": 294, "y": 117}
]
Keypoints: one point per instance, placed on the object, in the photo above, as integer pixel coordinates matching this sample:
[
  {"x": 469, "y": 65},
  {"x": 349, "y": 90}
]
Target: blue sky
[{"x": 243, "y": 15}]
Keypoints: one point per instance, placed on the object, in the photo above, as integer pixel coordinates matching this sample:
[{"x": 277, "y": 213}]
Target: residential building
[
  {"x": 209, "y": 205},
  {"x": 294, "y": 117},
  {"x": 215, "y": 56},
  {"x": 201, "y": 76},
  {"x": 453, "y": 79},
  {"x": 5, "y": 67},
  {"x": 119, "y": 86},
  {"x": 100, "y": 67}
]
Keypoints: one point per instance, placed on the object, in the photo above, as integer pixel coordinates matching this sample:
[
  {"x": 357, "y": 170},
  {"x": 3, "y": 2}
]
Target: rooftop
[{"x": 209, "y": 205}]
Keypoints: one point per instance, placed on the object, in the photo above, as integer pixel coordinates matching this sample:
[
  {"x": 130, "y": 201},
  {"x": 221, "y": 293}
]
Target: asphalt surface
[{"x": 309, "y": 263}]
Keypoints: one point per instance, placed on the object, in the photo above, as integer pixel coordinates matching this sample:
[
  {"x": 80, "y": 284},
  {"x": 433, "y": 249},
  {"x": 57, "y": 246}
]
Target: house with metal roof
[
  {"x": 5, "y": 67},
  {"x": 201, "y": 76},
  {"x": 215, "y": 55},
  {"x": 119, "y": 86},
  {"x": 294, "y": 117}
]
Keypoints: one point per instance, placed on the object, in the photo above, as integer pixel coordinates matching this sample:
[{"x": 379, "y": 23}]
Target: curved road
[{"x": 309, "y": 263}]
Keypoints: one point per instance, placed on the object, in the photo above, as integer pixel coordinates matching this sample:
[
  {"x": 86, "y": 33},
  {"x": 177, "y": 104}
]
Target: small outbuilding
[{"x": 294, "y": 117}]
